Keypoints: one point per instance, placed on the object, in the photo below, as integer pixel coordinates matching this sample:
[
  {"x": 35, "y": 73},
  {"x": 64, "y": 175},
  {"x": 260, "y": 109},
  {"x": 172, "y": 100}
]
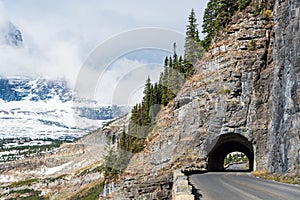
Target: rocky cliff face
[
  {"x": 285, "y": 131},
  {"x": 230, "y": 93},
  {"x": 244, "y": 97}
]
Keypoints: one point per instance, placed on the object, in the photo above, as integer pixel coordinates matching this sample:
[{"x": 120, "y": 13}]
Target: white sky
[{"x": 60, "y": 35}]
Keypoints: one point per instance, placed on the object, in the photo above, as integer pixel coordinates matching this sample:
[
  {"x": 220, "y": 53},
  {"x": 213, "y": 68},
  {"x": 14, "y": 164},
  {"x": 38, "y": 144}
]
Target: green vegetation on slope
[
  {"x": 15, "y": 149},
  {"x": 91, "y": 193},
  {"x": 176, "y": 70},
  {"x": 27, "y": 182},
  {"x": 217, "y": 15},
  {"x": 23, "y": 194},
  {"x": 284, "y": 178},
  {"x": 156, "y": 95}
]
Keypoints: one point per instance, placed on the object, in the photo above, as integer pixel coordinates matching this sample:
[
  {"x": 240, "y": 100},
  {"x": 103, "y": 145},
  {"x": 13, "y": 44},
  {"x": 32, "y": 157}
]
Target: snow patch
[
  {"x": 50, "y": 171},
  {"x": 7, "y": 179}
]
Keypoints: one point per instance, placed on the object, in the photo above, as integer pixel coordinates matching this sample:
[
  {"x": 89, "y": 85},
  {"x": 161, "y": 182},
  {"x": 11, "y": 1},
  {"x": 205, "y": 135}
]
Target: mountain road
[{"x": 241, "y": 186}]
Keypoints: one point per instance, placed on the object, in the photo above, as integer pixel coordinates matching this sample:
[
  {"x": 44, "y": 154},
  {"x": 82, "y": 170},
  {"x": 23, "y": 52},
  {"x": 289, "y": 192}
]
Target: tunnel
[{"x": 226, "y": 144}]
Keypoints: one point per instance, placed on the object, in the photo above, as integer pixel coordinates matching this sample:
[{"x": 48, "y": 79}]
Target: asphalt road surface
[{"x": 241, "y": 186}]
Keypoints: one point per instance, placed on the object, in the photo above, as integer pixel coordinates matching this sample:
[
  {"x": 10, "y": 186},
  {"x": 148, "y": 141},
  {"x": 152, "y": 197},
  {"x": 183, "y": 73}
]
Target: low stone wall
[
  {"x": 139, "y": 187},
  {"x": 181, "y": 188}
]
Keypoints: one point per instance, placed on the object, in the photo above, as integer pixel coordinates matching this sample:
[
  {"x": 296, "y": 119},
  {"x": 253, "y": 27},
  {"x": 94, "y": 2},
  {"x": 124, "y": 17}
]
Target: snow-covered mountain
[
  {"x": 17, "y": 89},
  {"x": 40, "y": 108},
  {"x": 10, "y": 35}
]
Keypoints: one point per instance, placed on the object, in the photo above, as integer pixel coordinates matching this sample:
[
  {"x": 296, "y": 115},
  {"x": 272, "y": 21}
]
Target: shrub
[
  {"x": 252, "y": 45},
  {"x": 268, "y": 13}
]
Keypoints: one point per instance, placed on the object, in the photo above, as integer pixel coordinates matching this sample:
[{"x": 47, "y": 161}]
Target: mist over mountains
[
  {"x": 41, "y": 108},
  {"x": 10, "y": 35}
]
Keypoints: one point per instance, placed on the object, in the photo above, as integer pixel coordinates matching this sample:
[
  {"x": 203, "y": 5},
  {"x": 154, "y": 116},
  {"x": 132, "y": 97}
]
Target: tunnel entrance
[{"x": 226, "y": 144}]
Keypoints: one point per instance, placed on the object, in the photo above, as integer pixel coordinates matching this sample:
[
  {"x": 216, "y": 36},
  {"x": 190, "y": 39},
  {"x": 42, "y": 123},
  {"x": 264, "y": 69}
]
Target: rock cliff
[
  {"x": 243, "y": 97},
  {"x": 285, "y": 131}
]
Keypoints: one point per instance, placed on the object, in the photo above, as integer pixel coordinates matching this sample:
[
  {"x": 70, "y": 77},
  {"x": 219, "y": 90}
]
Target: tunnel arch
[{"x": 226, "y": 144}]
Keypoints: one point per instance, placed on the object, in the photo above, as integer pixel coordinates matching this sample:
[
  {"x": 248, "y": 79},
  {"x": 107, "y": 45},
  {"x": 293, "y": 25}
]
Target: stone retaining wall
[{"x": 181, "y": 188}]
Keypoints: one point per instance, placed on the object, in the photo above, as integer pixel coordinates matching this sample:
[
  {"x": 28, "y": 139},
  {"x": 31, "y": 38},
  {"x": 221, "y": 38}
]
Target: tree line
[
  {"x": 156, "y": 95},
  {"x": 143, "y": 115},
  {"x": 176, "y": 70}
]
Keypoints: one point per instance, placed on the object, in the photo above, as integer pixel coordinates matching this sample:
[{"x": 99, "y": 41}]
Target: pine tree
[
  {"x": 162, "y": 88},
  {"x": 156, "y": 94},
  {"x": 193, "y": 50},
  {"x": 109, "y": 158},
  {"x": 147, "y": 101},
  {"x": 217, "y": 15},
  {"x": 209, "y": 26},
  {"x": 181, "y": 65},
  {"x": 123, "y": 141}
]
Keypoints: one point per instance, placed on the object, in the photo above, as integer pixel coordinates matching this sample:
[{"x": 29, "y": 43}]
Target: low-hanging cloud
[
  {"x": 51, "y": 49},
  {"x": 3, "y": 19},
  {"x": 59, "y": 35},
  {"x": 123, "y": 82},
  {"x": 59, "y": 61},
  {"x": 56, "y": 58}
]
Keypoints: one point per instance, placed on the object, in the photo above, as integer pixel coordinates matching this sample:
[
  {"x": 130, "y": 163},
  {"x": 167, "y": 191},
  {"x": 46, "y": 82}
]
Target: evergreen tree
[
  {"x": 181, "y": 65},
  {"x": 123, "y": 141},
  {"x": 147, "y": 93},
  {"x": 209, "y": 26},
  {"x": 193, "y": 50},
  {"x": 217, "y": 15},
  {"x": 109, "y": 159},
  {"x": 156, "y": 94},
  {"x": 163, "y": 82}
]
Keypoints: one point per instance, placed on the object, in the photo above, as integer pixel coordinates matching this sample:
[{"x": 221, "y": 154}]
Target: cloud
[
  {"x": 60, "y": 35},
  {"x": 3, "y": 19},
  {"x": 123, "y": 82},
  {"x": 53, "y": 56},
  {"x": 58, "y": 60}
]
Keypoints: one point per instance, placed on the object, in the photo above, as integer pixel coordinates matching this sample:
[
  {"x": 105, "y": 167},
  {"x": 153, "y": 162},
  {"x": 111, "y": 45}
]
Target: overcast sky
[{"x": 60, "y": 35}]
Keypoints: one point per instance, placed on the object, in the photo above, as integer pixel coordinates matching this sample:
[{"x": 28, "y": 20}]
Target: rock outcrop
[
  {"x": 244, "y": 96},
  {"x": 230, "y": 93}
]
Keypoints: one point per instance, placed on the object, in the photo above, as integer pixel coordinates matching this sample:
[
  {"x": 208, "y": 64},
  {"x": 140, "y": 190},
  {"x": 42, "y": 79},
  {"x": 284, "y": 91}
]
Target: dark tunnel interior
[{"x": 226, "y": 144}]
